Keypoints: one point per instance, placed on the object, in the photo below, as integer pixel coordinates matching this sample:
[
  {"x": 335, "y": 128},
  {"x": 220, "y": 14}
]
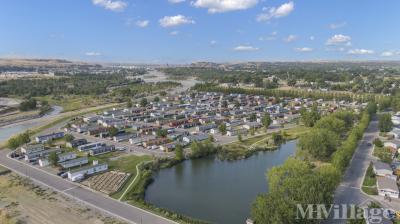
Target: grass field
[
  {"x": 263, "y": 139},
  {"x": 369, "y": 183},
  {"x": 127, "y": 164},
  {"x": 72, "y": 102}
]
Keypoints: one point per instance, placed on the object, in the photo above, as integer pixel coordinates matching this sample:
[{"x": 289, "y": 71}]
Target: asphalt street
[
  {"x": 96, "y": 200},
  {"x": 349, "y": 192}
]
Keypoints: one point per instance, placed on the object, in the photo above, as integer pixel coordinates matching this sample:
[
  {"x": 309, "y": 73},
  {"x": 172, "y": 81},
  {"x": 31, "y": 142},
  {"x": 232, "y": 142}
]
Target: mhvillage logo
[{"x": 342, "y": 212}]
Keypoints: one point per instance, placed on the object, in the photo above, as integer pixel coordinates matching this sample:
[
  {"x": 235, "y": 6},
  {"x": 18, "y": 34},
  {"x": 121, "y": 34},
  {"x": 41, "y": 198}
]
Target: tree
[
  {"x": 266, "y": 120},
  {"x": 222, "y": 129},
  {"x": 319, "y": 143},
  {"x": 129, "y": 103},
  {"x": 18, "y": 140},
  {"x": 53, "y": 158},
  {"x": 179, "y": 153},
  {"x": 385, "y": 123},
  {"x": 30, "y": 104},
  {"x": 156, "y": 99},
  {"x": 113, "y": 131},
  {"x": 143, "y": 102},
  {"x": 331, "y": 123},
  {"x": 377, "y": 142},
  {"x": 310, "y": 117},
  {"x": 240, "y": 139},
  {"x": 277, "y": 138},
  {"x": 237, "y": 104},
  {"x": 162, "y": 133},
  {"x": 224, "y": 104},
  {"x": 69, "y": 137},
  {"x": 253, "y": 117},
  {"x": 295, "y": 182}
]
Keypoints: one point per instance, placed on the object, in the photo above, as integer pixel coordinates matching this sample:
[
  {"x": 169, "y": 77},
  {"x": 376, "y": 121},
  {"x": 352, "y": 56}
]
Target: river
[
  {"x": 213, "y": 190},
  {"x": 10, "y": 130}
]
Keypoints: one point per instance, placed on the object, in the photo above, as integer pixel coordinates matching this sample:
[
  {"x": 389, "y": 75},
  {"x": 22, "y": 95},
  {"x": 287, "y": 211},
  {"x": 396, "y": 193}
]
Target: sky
[{"x": 184, "y": 31}]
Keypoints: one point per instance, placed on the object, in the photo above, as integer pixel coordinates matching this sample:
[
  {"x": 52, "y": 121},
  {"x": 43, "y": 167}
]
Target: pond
[{"x": 213, "y": 190}]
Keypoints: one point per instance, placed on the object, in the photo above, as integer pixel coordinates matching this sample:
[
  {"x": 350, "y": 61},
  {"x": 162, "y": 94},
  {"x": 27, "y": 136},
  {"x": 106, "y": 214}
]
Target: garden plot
[{"x": 108, "y": 183}]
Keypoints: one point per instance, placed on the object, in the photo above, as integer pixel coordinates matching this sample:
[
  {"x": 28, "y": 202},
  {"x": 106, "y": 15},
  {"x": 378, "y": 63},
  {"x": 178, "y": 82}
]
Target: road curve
[{"x": 94, "y": 199}]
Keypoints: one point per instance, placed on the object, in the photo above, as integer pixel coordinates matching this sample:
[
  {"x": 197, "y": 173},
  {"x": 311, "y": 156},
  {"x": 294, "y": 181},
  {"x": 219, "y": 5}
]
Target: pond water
[{"x": 213, "y": 190}]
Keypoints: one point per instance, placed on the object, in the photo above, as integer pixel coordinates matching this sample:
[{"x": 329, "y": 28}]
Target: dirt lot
[{"x": 23, "y": 202}]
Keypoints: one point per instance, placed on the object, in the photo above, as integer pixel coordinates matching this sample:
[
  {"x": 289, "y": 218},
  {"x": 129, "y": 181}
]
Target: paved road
[
  {"x": 349, "y": 192},
  {"x": 96, "y": 200}
]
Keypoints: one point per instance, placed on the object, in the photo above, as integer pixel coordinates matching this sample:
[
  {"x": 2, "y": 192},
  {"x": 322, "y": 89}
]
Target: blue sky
[{"x": 182, "y": 31}]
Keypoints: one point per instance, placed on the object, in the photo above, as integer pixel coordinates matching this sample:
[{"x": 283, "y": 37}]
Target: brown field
[{"x": 23, "y": 202}]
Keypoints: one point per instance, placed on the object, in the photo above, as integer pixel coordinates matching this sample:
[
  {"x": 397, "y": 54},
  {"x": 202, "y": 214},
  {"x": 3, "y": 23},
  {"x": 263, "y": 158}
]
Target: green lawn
[
  {"x": 72, "y": 102},
  {"x": 291, "y": 133},
  {"x": 369, "y": 184},
  {"x": 370, "y": 190},
  {"x": 127, "y": 164}
]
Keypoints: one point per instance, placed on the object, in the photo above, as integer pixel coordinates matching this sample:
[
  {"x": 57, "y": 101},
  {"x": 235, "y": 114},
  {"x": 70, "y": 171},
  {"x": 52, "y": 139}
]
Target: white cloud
[
  {"x": 176, "y": 1},
  {"x": 390, "y": 53},
  {"x": 339, "y": 39},
  {"x": 142, "y": 23},
  {"x": 171, "y": 21},
  {"x": 245, "y": 48},
  {"x": 312, "y": 38},
  {"x": 174, "y": 33},
  {"x": 113, "y": 5},
  {"x": 360, "y": 51},
  {"x": 93, "y": 54},
  {"x": 219, "y": 6},
  {"x": 337, "y": 25},
  {"x": 290, "y": 38},
  {"x": 274, "y": 13},
  {"x": 303, "y": 49},
  {"x": 213, "y": 42}
]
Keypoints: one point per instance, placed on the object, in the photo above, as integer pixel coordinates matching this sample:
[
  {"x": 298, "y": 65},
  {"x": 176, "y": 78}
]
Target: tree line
[
  {"x": 300, "y": 181},
  {"x": 209, "y": 87}
]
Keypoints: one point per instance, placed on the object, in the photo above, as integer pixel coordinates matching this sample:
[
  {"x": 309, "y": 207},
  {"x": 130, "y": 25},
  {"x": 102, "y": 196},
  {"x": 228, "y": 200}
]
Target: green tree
[
  {"x": 378, "y": 142},
  {"x": 129, "y": 103},
  {"x": 179, "y": 153},
  {"x": 222, "y": 129},
  {"x": 156, "y": 99},
  {"x": 18, "y": 140},
  {"x": 69, "y": 137},
  {"x": 113, "y": 131},
  {"x": 162, "y": 133},
  {"x": 224, "y": 104},
  {"x": 240, "y": 138},
  {"x": 253, "y": 117},
  {"x": 331, "y": 123},
  {"x": 30, "y": 104},
  {"x": 53, "y": 158},
  {"x": 319, "y": 143},
  {"x": 266, "y": 120},
  {"x": 277, "y": 138},
  {"x": 385, "y": 123},
  {"x": 310, "y": 117},
  {"x": 143, "y": 102}
]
